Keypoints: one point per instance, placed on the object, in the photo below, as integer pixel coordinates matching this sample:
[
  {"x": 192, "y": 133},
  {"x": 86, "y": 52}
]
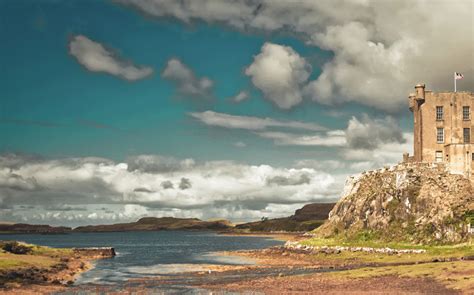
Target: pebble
[{"x": 295, "y": 246}]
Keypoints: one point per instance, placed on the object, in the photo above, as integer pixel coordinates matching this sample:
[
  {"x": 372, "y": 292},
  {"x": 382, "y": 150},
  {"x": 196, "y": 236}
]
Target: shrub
[{"x": 15, "y": 248}]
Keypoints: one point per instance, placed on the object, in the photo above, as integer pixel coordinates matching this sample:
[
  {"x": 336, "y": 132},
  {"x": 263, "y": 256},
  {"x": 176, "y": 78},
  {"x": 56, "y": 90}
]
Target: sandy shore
[
  {"x": 323, "y": 284},
  {"x": 278, "y": 271},
  {"x": 282, "y": 271},
  {"x": 275, "y": 236},
  {"x": 296, "y": 273}
]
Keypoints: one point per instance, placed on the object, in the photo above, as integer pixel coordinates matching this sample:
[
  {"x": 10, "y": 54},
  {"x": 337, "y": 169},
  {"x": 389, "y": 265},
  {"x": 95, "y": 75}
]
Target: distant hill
[
  {"x": 23, "y": 228},
  {"x": 305, "y": 219},
  {"x": 156, "y": 224}
]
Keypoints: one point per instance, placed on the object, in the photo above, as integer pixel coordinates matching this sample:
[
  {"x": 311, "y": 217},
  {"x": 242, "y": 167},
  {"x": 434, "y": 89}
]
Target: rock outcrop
[
  {"x": 410, "y": 202},
  {"x": 95, "y": 252}
]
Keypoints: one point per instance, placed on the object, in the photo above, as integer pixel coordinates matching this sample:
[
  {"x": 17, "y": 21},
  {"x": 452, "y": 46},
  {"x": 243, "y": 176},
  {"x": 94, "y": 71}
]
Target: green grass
[
  {"x": 432, "y": 252},
  {"x": 359, "y": 243},
  {"x": 10, "y": 261},
  {"x": 456, "y": 274},
  {"x": 47, "y": 251},
  {"x": 40, "y": 256},
  {"x": 365, "y": 239}
]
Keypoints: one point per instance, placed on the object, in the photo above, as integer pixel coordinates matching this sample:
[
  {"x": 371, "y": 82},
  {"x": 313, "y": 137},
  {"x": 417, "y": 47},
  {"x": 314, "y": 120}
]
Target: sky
[{"x": 111, "y": 110}]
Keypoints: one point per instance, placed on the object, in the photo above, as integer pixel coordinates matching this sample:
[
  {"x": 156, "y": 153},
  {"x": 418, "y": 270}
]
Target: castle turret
[
  {"x": 420, "y": 92},
  {"x": 416, "y": 100},
  {"x": 411, "y": 101}
]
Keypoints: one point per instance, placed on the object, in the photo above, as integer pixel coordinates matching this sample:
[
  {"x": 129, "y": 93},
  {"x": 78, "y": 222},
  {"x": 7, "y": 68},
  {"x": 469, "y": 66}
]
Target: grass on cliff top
[
  {"x": 373, "y": 239},
  {"x": 456, "y": 274},
  {"x": 39, "y": 256},
  {"x": 340, "y": 241},
  {"x": 432, "y": 252}
]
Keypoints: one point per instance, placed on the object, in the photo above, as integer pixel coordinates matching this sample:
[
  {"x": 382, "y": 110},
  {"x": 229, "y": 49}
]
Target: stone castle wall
[{"x": 455, "y": 153}]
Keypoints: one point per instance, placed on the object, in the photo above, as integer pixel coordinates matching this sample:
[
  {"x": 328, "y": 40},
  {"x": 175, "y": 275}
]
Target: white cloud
[
  {"x": 320, "y": 164},
  {"x": 240, "y": 144},
  {"x": 157, "y": 163},
  {"x": 250, "y": 123},
  {"x": 279, "y": 72},
  {"x": 241, "y": 96},
  {"x": 368, "y": 133},
  {"x": 97, "y": 58},
  {"x": 207, "y": 189},
  {"x": 387, "y": 153},
  {"x": 11, "y": 180},
  {"x": 381, "y": 48},
  {"x": 186, "y": 80},
  {"x": 361, "y": 134},
  {"x": 334, "y": 138}
]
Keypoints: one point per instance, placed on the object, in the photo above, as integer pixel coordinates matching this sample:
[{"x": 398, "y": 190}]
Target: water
[{"x": 141, "y": 254}]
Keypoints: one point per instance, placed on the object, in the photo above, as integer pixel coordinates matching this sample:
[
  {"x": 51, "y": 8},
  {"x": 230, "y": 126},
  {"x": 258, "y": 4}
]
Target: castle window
[
  {"x": 467, "y": 135},
  {"x": 440, "y": 135},
  {"x": 466, "y": 113},
  {"x": 439, "y": 156},
  {"x": 439, "y": 113}
]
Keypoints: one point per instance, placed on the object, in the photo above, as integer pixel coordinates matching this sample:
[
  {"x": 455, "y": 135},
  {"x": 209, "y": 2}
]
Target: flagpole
[{"x": 455, "y": 82}]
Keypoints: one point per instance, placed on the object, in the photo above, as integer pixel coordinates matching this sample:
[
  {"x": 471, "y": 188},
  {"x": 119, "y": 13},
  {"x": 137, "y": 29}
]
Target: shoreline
[
  {"x": 281, "y": 236},
  {"x": 53, "y": 281},
  {"x": 292, "y": 271},
  {"x": 62, "y": 268},
  {"x": 282, "y": 269}
]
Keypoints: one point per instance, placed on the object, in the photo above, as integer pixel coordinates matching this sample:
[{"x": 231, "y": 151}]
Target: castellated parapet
[{"x": 443, "y": 129}]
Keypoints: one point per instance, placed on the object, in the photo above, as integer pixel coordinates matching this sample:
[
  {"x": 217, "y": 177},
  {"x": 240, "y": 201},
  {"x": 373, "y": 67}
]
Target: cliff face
[{"x": 415, "y": 202}]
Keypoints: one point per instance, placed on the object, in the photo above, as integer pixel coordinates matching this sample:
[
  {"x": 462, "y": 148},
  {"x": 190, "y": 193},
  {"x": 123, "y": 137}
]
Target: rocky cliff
[{"x": 412, "y": 202}]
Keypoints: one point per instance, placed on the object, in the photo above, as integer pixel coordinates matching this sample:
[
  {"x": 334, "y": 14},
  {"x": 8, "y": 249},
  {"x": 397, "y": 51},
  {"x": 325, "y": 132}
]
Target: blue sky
[
  {"x": 119, "y": 104},
  {"x": 44, "y": 83}
]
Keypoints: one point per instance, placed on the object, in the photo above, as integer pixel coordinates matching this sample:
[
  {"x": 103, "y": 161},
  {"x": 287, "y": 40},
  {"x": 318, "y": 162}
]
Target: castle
[{"x": 443, "y": 126}]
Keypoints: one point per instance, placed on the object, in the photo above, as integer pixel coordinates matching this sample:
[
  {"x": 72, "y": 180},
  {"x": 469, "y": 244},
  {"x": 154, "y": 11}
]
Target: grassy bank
[
  {"x": 23, "y": 265},
  {"x": 446, "y": 269},
  {"x": 17, "y": 255},
  {"x": 458, "y": 275},
  {"x": 433, "y": 252},
  {"x": 436, "y": 263}
]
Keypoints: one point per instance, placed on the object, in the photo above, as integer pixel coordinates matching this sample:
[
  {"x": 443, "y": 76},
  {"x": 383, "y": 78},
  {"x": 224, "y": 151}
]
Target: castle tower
[{"x": 442, "y": 128}]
